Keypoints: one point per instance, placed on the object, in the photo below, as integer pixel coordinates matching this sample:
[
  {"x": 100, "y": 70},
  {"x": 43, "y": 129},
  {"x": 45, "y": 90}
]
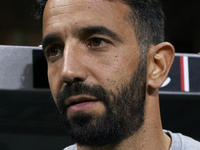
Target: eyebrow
[
  {"x": 87, "y": 31},
  {"x": 83, "y": 32},
  {"x": 50, "y": 39}
]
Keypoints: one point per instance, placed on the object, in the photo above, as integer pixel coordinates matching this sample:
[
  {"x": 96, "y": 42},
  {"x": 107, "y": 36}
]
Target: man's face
[{"x": 93, "y": 70}]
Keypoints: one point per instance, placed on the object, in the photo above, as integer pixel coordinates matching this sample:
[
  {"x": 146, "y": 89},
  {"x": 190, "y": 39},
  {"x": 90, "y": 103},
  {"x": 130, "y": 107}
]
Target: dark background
[{"x": 18, "y": 27}]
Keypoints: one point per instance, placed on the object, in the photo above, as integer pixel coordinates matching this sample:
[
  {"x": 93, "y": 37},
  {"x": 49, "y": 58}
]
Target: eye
[
  {"x": 53, "y": 51},
  {"x": 96, "y": 42}
]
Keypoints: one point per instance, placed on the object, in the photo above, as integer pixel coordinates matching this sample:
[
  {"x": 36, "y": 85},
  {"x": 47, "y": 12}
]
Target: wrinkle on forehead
[
  {"x": 54, "y": 6},
  {"x": 74, "y": 14},
  {"x": 83, "y": 4}
]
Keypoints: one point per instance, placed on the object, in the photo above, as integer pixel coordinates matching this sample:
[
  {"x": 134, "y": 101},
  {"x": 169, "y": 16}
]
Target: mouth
[{"x": 80, "y": 103}]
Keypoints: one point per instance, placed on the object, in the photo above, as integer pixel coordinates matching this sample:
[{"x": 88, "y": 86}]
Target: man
[{"x": 106, "y": 61}]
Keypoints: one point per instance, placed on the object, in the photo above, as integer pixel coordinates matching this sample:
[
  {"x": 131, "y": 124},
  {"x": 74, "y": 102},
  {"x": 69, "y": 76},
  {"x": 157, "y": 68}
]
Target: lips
[{"x": 78, "y": 103}]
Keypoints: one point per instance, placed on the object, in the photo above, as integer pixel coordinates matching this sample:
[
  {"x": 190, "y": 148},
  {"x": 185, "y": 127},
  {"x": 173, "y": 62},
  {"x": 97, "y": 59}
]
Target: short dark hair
[
  {"x": 148, "y": 20},
  {"x": 147, "y": 17},
  {"x": 39, "y": 8}
]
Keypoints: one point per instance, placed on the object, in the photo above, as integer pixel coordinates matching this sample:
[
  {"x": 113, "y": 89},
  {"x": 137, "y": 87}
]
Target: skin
[{"x": 109, "y": 63}]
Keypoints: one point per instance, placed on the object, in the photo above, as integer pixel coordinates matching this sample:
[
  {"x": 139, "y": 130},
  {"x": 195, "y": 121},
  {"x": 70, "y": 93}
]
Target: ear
[{"x": 160, "y": 59}]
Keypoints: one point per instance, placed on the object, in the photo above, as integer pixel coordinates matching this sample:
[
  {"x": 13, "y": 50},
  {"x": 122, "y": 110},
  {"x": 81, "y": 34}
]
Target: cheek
[
  {"x": 54, "y": 82},
  {"x": 116, "y": 72}
]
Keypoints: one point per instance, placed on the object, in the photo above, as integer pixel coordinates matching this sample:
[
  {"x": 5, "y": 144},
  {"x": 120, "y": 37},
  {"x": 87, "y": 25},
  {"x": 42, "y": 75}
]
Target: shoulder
[
  {"x": 71, "y": 147},
  {"x": 182, "y": 142}
]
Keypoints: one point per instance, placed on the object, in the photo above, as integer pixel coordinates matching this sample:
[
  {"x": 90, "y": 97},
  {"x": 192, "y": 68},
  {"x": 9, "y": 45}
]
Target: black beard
[{"x": 123, "y": 117}]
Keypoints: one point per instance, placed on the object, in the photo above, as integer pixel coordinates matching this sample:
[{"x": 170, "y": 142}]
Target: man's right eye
[{"x": 53, "y": 51}]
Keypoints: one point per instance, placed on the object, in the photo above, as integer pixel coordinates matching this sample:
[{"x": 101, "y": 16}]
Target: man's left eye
[{"x": 96, "y": 42}]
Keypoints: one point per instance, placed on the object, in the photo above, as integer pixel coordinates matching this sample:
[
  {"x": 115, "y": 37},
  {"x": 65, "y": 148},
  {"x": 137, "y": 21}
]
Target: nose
[{"x": 73, "y": 67}]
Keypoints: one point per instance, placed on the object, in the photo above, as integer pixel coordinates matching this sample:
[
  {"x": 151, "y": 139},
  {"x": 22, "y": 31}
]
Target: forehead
[
  {"x": 86, "y": 12},
  {"x": 82, "y": 5}
]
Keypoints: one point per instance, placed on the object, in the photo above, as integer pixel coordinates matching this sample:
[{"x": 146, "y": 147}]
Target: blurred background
[{"x": 18, "y": 27}]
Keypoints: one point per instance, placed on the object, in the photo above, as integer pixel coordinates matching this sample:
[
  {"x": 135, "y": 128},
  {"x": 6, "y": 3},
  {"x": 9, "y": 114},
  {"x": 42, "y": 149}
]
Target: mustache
[{"x": 80, "y": 89}]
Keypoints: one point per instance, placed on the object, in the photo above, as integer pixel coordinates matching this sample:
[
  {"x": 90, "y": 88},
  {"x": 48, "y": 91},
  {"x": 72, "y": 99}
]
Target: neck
[{"x": 149, "y": 137}]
